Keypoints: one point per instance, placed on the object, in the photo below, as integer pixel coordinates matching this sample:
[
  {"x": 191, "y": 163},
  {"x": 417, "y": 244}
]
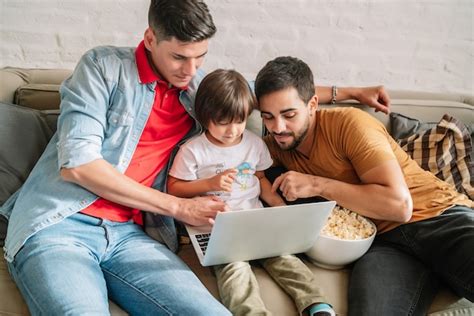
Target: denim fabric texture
[
  {"x": 104, "y": 108},
  {"x": 92, "y": 260}
]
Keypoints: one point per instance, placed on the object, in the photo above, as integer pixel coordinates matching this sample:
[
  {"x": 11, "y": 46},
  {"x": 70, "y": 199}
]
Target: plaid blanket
[{"x": 446, "y": 151}]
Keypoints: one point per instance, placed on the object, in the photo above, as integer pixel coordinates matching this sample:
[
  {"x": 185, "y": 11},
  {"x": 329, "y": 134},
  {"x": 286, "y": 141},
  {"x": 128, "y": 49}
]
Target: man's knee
[{"x": 388, "y": 281}]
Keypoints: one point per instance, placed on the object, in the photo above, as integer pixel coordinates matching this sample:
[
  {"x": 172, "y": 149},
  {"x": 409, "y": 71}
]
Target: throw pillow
[
  {"x": 402, "y": 126},
  {"x": 446, "y": 151},
  {"x": 24, "y": 134},
  {"x": 38, "y": 96}
]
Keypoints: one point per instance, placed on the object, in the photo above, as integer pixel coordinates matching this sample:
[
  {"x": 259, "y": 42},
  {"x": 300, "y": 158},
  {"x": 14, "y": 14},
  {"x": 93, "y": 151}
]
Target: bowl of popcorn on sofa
[{"x": 345, "y": 237}]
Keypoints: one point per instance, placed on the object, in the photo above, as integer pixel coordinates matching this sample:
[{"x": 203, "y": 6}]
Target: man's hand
[
  {"x": 375, "y": 97},
  {"x": 223, "y": 181},
  {"x": 295, "y": 185},
  {"x": 200, "y": 211}
]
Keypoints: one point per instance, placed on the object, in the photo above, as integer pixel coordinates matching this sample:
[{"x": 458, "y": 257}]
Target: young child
[{"x": 229, "y": 162}]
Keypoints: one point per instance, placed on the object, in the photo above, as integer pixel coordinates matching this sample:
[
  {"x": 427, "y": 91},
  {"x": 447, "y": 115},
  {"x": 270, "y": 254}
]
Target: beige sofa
[{"x": 37, "y": 88}]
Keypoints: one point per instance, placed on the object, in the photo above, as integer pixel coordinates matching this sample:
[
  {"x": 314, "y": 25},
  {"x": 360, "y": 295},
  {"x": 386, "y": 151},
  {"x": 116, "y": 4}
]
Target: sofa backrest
[
  {"x": 39, "y": 89},
  {"x": 33, "y": 88}
]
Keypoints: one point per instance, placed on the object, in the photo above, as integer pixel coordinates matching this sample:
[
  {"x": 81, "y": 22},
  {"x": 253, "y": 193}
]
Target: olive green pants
[{"x": 239, "y": 291}]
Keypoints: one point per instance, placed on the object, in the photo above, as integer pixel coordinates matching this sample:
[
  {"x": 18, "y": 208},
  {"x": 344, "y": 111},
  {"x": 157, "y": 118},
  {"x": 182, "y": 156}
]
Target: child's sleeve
[
  {"x": 265, "y": 160},
  {"x": 184, "y": 165}
]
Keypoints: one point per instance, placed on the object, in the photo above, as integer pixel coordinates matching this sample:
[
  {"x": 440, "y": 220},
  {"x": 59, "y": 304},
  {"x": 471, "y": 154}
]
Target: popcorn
[{"x": 345, "y": 224}]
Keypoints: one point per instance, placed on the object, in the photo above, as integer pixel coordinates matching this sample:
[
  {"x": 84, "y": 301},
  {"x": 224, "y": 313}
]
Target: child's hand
[{"x": 223, "y": 181}]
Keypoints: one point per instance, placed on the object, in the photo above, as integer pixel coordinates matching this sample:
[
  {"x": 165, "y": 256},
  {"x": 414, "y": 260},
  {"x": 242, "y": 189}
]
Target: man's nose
[
  {"x": 279, "y": 126},
  {"x": 190, "y": 67}
]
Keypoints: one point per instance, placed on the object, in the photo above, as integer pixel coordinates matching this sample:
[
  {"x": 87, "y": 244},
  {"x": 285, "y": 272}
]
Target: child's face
[{"x": 225, "y": 134}]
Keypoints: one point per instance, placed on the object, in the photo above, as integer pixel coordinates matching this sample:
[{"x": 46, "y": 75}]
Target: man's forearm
[
  {"x": 371, "y": 200},
  {"x": 101, "y": 178},
  {"x": 375, "y": 97},
  {"x": 343, "y": 93}
]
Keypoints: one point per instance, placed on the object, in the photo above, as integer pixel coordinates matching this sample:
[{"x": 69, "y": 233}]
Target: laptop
[{"x": 259, "y": 233}]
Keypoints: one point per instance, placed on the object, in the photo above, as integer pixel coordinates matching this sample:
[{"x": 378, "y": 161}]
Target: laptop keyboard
[{"x": 202, "y": 240}]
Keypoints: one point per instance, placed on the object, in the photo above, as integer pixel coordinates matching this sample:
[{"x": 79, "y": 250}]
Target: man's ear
[
  {"x": 149, "y": 38},
  {"x": 313, "y": 103}
]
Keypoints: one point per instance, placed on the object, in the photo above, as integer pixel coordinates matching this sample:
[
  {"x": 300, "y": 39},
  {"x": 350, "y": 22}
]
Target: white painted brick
[{"x": 404, "y": 44}]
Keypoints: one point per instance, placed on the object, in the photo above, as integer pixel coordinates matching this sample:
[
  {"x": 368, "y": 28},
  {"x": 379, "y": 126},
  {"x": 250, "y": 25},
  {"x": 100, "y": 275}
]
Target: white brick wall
[{"x": 404, "y": 44}]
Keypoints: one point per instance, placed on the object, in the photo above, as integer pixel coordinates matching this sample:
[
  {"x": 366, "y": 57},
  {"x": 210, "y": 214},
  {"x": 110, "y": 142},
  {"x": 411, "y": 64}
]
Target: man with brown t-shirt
[{"x": 425, "y": 228}]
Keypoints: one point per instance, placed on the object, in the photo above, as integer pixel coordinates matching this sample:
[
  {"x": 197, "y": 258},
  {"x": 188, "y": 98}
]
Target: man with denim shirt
[{"x": 76, "y": 228}]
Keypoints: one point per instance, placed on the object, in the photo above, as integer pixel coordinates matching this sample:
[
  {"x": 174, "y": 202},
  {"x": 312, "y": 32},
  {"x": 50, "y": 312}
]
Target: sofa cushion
[
  {"x": 38, "y": 96},
  {"x": 402, "y": 126},
  {"x": 13, "y": 78},
  {"x": 24, "y": 134},
  {"x": 445, "y": 150}
]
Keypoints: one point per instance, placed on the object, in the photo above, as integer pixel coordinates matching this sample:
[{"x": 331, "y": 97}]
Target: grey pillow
[
  {"x": 402, "y": 126},
  {"x": 24, "y": 134}
]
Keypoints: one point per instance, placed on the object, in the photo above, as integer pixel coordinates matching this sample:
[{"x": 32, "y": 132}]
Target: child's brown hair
[{"x": 224, "y": 96}]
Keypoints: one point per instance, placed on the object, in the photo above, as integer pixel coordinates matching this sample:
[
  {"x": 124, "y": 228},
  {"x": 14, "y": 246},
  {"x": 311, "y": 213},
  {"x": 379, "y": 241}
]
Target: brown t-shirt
[{"x": 349, "y": 142}]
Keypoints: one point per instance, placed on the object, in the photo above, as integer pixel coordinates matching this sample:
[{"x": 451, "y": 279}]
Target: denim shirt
[{"x": 104, "y": 109}]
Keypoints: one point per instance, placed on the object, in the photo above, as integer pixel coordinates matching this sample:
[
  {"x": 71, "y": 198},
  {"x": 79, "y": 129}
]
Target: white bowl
[{"x": 334, "y": 253}]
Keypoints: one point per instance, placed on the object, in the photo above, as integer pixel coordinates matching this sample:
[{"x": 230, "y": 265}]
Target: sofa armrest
[{"x": 9, "y": 83}]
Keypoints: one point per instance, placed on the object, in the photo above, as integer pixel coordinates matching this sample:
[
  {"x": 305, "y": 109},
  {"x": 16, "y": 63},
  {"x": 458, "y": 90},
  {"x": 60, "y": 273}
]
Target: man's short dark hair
[
  {"x": 282, "y": 73},
  {"x": 223, "y": 96},
  {"x": 186, "y": 20}
]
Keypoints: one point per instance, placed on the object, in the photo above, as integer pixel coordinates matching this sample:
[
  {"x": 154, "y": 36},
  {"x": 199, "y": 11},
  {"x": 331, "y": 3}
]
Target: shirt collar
[{"x": 146, "y": 73}]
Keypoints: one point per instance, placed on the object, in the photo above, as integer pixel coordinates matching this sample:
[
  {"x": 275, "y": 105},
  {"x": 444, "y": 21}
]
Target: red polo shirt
[{"x": 166, "y": 126}]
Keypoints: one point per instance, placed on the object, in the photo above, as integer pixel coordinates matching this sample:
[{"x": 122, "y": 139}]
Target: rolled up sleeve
[{"x": 82, "y": 122}]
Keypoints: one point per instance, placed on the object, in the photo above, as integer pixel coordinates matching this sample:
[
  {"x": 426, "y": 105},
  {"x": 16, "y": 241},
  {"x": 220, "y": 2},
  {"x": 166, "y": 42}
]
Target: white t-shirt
[{"x": 198, "y": 158}]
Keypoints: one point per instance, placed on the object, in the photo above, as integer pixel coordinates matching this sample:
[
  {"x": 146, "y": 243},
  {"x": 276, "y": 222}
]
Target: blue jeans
[
  {"x": 75, "y": 266},
  {"x": 402, "y": 271}
]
